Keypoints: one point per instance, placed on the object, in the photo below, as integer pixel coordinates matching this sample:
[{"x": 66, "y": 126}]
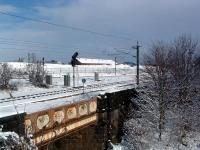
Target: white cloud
[
  {"x": 141, "y": 20},
  {"x": 8, "y": 8}
]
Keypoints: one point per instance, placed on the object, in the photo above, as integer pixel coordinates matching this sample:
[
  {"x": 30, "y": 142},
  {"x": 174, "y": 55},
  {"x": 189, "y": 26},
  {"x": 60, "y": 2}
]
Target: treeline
[
  {"x": 169, "y": 98},
  {"x": 174, "y": 70}
]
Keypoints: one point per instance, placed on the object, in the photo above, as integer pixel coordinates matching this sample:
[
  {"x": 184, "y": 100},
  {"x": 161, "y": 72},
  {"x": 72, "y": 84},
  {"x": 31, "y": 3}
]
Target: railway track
[{"x": 65, "y": 90}]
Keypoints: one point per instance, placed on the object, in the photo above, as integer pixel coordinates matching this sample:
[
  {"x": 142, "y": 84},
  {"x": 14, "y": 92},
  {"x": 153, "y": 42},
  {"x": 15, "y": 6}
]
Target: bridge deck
[{"x": 62, "y": 96}]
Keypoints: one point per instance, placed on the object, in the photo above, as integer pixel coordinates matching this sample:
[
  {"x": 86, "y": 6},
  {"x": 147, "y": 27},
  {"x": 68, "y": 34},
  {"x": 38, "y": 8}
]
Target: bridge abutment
[
  {"x": 112, "y": 109},
  {"x": 85, "y": 125}
]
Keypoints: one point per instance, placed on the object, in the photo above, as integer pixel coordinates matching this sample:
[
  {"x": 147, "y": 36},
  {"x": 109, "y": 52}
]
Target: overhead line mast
[{"x": 137, "y": 47}]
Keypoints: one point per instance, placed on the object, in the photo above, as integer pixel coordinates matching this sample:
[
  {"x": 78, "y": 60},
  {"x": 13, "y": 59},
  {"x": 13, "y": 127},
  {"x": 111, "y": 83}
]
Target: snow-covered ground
[{"x": 29, "y": 98}]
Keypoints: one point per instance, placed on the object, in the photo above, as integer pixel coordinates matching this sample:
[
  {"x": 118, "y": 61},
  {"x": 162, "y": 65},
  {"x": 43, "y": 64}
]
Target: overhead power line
[
  {"x": 32, "y": 42},
  {"x": 31, "y": 45},
  {"x": 45, "y": 50},
  {"x": 39, "y": 46},
  {"x": 66, "y": 26}
]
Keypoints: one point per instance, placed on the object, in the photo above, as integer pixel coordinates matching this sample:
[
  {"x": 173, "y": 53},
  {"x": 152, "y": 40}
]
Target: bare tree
[
  {"x": 5, "y": 76},
  {"x": 157, "y": 71},
  {"x": 174, "y": 71},
  {"x": 182, "y": 66},
  {"x": 184, "y": 71},
  {"x": 37, "y": 74}
]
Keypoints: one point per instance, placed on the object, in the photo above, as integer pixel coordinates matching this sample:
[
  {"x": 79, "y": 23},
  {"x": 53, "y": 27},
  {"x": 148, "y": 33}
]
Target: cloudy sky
[{"x": 125, "y": 20}]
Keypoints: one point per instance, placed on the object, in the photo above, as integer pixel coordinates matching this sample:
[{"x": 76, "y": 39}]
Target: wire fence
[{"x": 90, "y": 70}]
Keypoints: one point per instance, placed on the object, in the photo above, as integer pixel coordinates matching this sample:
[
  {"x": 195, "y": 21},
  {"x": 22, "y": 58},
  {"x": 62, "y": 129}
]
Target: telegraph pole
[
  {"x": 43, "y": 64},
  {"x": 115, "y": 66},
  {"x": 138, "y": 61},
  {"x": 43, "y": 73}
]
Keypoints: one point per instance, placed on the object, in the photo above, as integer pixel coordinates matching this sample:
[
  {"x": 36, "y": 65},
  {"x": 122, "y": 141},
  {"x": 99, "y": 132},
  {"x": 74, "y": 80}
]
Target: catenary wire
[{"x": 66, "y": 26}]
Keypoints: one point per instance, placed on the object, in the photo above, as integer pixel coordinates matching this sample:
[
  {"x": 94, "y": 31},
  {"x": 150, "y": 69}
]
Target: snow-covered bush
[
  {"x": 9, "y": 141},
  {"x": 12, "y": 141}
]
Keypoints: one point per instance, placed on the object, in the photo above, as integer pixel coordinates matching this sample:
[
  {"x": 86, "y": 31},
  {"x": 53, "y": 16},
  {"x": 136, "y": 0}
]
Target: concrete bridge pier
[
  {"x": 14, "y": 123},
  {"x": 85, "y": 139},
  {"x": 112, "y": 109}
]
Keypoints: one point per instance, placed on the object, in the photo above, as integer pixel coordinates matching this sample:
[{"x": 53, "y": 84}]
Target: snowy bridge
[{"x": 56, "y": 113}]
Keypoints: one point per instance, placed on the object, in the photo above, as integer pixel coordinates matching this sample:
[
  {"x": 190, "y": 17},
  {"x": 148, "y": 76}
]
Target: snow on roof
[{"x": 95, "y": 61}]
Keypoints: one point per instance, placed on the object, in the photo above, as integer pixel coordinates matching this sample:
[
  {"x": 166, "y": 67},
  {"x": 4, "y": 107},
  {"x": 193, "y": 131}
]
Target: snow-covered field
[{"x": 63, "y": 69}]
